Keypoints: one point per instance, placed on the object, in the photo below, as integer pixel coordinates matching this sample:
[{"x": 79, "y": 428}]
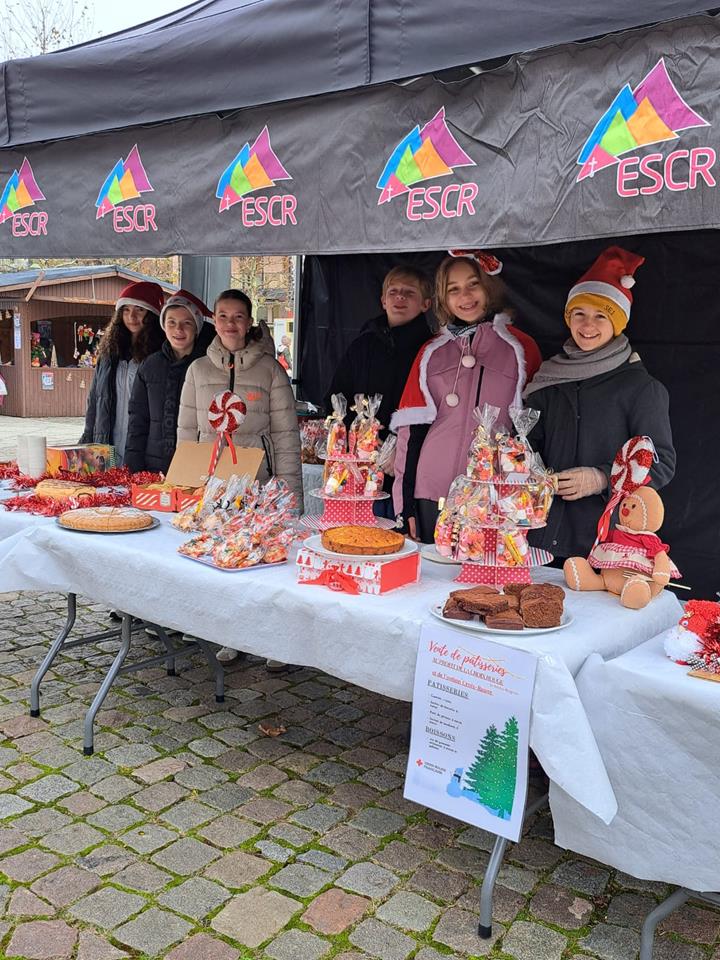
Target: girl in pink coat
[{"x": 478, "y": 357}]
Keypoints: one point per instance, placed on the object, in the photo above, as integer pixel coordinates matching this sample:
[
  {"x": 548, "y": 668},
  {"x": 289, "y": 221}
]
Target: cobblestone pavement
[
  {"x": 58, "y": 430},
  {"x": 191, "y": 836}
]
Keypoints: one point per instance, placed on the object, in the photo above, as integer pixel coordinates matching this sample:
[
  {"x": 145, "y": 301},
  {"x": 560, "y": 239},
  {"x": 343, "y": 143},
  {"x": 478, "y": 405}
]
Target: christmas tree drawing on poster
[{"x": 490, "y": 779}]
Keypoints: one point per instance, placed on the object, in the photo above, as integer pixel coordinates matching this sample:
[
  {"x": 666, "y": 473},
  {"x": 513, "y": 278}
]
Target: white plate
[
  {"x": 477, "y": 626},
  {"x": 429, "y": 552},
  {"x": 206, "y": 562},
  {"x": 315, "y": 543}
]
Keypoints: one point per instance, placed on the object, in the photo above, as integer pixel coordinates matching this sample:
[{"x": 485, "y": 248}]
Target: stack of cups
[
  {"x": 22, "y": 455},
  {"x": 36, "y": 456},
  {"x": 32, "y": 456}
]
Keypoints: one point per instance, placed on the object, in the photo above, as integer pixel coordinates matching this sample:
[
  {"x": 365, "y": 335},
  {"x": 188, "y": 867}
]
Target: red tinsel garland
[
  {"x": 115, "y": 477},
  {"x": 45, "y": 507},
  {"x": 8, "y": 470}
]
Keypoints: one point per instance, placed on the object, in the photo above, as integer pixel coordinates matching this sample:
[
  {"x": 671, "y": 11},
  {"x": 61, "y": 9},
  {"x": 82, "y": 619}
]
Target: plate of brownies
[{"x": 527, "y": 608}]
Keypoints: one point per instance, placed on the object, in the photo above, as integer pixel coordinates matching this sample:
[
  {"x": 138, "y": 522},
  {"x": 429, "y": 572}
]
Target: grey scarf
[{"x": 576, "y": 364}]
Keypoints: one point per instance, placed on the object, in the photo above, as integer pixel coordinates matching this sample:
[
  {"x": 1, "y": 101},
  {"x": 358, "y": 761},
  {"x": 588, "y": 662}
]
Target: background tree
[{"x": 32, "y": 27}]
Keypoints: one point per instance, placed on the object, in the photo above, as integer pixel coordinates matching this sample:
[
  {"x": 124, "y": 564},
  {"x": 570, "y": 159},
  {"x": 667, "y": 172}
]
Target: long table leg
[
  {"x": 49, "y": 658},
  {"x": 655, "y": 916},
  {"x": 125, "y": 640},
  {"x": 170, "y": 662},
  {"x": 216, "y": 667},
  {"x": 493, "y": 868}
]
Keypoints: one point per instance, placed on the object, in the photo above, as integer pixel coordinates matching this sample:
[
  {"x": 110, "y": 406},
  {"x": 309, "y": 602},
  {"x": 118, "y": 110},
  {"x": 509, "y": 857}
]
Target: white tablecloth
[
  {"x": 367, "y": 640},
  {"x": 657, "y": 730}
]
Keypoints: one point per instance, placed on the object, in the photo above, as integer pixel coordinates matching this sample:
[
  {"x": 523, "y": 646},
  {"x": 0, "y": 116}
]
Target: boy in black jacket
[
  {"x": 593, "y": 397},
  {"x": 379, "y": 359}
]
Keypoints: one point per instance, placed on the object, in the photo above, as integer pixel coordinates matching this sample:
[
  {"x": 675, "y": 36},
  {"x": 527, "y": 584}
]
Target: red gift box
[{"x": 357, "y": 575}]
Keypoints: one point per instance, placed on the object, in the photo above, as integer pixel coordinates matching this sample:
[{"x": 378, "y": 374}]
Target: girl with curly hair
[{"x": 132, "y": 335}]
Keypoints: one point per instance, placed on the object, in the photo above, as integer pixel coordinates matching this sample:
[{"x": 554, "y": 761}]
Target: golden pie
[
  {"x": 106, "y": 519},
  {"x": 62, "y": 489},
  {"x": 362, "y": 541}
]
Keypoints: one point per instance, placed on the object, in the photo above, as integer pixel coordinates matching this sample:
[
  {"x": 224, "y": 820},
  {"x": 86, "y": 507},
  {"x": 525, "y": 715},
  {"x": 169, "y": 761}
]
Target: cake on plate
[
  {"x": 362, "y": 541},
  {"x": 106, "y": 519}
]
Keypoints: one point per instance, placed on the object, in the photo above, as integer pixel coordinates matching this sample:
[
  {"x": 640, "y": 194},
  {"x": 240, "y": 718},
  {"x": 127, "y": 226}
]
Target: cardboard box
[
  {"x": 357, "y": 575},
  {"x": 188, "y": 468},
  {"x": 81, "y": 458}
]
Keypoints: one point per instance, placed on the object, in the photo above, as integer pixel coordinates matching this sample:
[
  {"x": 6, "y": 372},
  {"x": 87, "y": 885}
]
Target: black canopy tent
[{"x": 306, "y": 129}]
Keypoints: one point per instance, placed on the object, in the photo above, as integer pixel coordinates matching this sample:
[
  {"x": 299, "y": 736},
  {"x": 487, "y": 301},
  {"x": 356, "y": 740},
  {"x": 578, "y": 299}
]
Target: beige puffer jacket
[{"x": 270, "y": 423}]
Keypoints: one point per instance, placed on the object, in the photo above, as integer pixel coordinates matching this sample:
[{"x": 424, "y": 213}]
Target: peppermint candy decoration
[
  {"x": 631, "y": 468},
  {"x": 227, "y": 411}
]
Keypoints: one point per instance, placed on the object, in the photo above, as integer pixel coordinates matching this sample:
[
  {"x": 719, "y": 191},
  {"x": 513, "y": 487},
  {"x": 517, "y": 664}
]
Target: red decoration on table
[
  {"x": 45, "y": 507},
  {"x": 9, "y": 470},
  {"x": 336, "y": 580},
  {"x": 227, "y": 411},
  {"x": 115, "y": 477}
]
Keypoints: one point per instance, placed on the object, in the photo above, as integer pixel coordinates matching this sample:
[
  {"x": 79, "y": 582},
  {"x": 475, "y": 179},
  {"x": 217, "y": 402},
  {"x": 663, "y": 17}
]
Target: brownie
[
  {"x": 453, "y": 611},
  {"x": 515, "y": 589},
  {"x": 484, "y": 603},
  {"x": 549, "y": 590},
  {"x": 513, "y": 601},
  {"x": 473, "y": 592},
  {"x": 541, "y": 612},
  {"x": 505, "y": 620}
]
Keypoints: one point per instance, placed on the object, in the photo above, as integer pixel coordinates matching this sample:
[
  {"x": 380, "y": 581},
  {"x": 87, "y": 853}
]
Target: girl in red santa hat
[
  {"x": 593, "y": 397},
  {"x": 477, "y": 358},
  {"x": 132, "y": 335}
]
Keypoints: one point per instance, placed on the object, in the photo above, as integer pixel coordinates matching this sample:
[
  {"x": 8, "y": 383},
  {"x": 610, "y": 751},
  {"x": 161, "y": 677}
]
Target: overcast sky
[{"x": 111, "y": 17}]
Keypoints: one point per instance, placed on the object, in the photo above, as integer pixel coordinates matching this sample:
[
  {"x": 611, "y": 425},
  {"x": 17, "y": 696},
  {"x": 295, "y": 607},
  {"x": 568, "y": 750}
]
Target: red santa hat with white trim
[
  {"x": 194, "y": 306},
  {"x": 607, "y": 286},
  {"x": 142, "y": 293}
]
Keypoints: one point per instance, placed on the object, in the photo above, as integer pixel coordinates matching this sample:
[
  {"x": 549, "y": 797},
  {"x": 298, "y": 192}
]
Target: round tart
[
  {"x": 106, "y": 519},
  {"x": 362, "y": 541}
]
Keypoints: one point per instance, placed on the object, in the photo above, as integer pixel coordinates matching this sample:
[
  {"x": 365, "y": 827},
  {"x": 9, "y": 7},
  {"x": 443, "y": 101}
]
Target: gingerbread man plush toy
[{"x": 629, "y": 560}]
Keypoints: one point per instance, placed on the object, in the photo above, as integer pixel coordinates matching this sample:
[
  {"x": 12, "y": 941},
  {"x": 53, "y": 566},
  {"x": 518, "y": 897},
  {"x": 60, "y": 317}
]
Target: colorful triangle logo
[
  {"x": 20, "y": 191},
  {"x": 423, "y": 154},
  {"x": 654, "y": 112},
  {"x": 126, "y": 181},
  {"x": 253, "y": 168}
]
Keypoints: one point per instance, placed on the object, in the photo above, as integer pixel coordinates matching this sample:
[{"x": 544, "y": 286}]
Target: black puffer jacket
[
  {"x": 154, "y": 406},
  {"x": 100, "y": 412},
  {"x": 583, "y": 424},
  {"x": 379, "y": 361}
]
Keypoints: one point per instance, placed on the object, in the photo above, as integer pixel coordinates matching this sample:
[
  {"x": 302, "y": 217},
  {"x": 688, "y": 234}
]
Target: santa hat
[
  {"x": 195, "y": 307},
  {"x": 699, "y": 626},
  {"x": 607, "y": 285},
  {"x": 488, "y": 263},
  {"x": 143, "y": 294}
]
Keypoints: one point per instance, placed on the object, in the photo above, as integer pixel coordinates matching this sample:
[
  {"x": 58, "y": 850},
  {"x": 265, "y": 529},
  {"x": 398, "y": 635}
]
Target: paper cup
[{"x": 36, "y": 456}]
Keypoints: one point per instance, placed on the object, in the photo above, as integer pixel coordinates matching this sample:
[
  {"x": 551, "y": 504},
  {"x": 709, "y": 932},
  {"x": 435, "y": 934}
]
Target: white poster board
[{"x": 470, "y": 729}]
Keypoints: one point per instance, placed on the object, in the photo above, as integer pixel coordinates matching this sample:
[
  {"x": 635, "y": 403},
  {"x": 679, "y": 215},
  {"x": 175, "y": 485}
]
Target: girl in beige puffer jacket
[{"x": 241, "y": 359}]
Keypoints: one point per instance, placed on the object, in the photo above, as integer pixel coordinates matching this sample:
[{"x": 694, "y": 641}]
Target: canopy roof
[
  {"x": 52, "y": 275},
  {"x": 218, "y": 55}
]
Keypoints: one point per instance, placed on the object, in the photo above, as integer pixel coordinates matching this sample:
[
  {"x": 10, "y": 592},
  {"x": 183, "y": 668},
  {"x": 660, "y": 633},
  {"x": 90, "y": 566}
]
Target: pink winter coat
[{"x": 505, "y": 359}]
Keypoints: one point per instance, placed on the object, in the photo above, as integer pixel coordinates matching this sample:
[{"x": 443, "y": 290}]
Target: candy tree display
[
  {"x": 505, "y": 493},
  {"x": 353, "y": 478}
]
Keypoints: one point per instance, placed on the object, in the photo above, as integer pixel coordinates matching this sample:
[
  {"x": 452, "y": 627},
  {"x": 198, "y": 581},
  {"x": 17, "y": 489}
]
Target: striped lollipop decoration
[
  {"x": 226, "y": 413},
  {"x": 630, "y": 470}
]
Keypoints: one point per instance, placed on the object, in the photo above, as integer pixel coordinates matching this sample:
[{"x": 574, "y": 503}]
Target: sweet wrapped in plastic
[
  {"x": 199, "y": 546},
  {"x": 313, "y": 440},
  {"x": 447, "y": 532},
  {"x": 386, "y": 455},
  {"x": 514, "y": 452},
  {"x": 336, "y": 444},
  {"x": 374, "y": 478},
  {"x": 481, "y": 456},
  {"x": 512, "y": 550},
  {"x": 516, "y": 507},
  {"x": 338, "y": 475},
  {"x": 364, "y": 436}
]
